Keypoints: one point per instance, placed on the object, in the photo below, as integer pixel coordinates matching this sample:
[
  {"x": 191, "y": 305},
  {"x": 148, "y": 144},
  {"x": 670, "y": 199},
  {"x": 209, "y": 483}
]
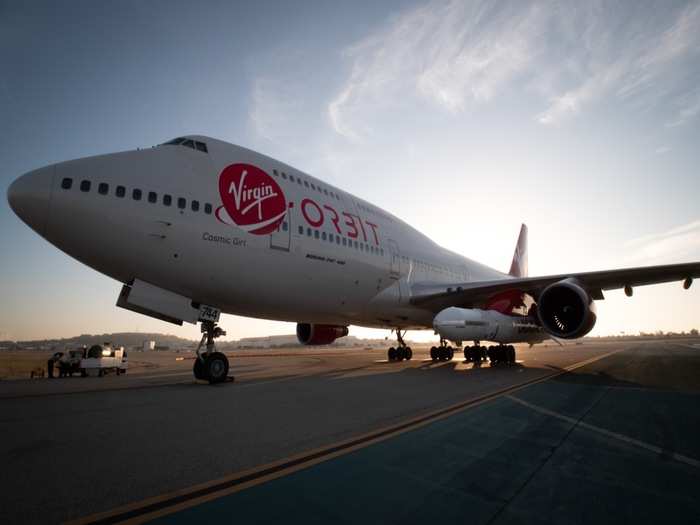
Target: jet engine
[
  {"x": 566, "y": 310},
  {"x": 319, "y": 334}
]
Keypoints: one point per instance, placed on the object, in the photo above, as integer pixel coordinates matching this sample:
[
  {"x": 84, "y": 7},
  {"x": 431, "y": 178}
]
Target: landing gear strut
[
  {"x": 402, "y": 351},
  {"x": 442, "y": 352},
  {"x": 210, "y": 365}
]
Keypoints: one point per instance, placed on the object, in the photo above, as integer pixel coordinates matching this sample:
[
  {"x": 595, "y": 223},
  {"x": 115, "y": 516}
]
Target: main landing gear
[
  {"x": 210, "y": 365},
  {"x": 501, "y": 355},
  {"x": 442, "y": 352},
  {"x": 402, "y": 351},
  {"x": 475, "y": 354}
]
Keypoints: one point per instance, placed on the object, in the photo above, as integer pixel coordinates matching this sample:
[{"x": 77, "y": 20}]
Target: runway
[{"x": 585, "y": 433}]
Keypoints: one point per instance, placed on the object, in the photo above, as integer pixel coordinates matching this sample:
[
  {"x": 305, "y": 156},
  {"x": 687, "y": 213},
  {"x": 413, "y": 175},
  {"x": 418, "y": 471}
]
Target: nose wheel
[{"x": 210, "y": 365}]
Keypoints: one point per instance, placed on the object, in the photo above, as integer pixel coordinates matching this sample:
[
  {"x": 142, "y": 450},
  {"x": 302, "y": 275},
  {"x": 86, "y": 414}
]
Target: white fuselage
[{"x": 334, "y": 258}]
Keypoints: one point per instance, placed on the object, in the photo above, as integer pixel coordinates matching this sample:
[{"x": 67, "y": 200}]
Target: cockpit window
[{"x": 189, "y": 143}]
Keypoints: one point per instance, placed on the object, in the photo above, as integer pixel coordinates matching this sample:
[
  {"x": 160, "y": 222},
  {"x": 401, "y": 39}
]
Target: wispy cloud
[
  {"x": 446, "y": 53},
  {"x": 676, "y": 244},
  {"x": 687, "y": 108},
  {"x": 462, "y": 53}
]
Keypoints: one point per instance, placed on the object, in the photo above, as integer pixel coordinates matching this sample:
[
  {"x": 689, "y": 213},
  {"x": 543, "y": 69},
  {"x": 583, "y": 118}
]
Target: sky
[{"x": 464, "y": 118}]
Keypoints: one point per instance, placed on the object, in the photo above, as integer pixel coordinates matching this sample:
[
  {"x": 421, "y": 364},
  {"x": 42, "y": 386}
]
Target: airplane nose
[{"x": 29, "y": 197}]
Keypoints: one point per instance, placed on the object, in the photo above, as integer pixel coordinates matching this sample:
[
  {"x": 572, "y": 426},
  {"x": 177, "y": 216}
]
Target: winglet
[{"x": 518, "y": 268}]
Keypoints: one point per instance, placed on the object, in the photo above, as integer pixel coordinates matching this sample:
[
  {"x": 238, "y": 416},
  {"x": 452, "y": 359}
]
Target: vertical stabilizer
[{"x": 518, "y": 268}]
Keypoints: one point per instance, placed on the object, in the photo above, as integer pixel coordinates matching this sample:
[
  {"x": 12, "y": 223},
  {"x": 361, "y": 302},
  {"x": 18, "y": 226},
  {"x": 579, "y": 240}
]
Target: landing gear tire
[
  {"x": 511, "y": 354},
  {"x": 198, "y": 369},
  {"x": 392, "y": 354},
  {"x": 434, "y": 353},
  {"x": 216, "y": 367},
  {"x": 409, "y": 353}
]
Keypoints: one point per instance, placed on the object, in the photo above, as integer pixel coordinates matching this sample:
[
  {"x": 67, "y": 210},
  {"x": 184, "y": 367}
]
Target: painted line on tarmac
[
  {"x": 608, "y": 433},
  {"x": 163, "y": 505}
]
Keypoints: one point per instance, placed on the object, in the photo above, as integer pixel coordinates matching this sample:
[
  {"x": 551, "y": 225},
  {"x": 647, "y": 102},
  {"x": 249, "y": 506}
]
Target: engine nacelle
[
  {"x": 566, "y": 310},
  {"x": 470, "y": 324},
  {"x": 319, "y": 334}
]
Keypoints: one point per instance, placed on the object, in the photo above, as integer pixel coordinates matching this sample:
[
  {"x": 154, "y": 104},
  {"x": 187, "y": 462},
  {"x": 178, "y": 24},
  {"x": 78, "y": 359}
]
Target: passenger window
[
  {"x": 207, "y": 208},
  {"x": 66, "y": 183},
  {"x": 181, "y": 203},
  {"x": 189, "y": 143},
  {"x": 337, "y": 239},
  {"x": 306, "y": 183},
  {"x": 136, "y": 194},
  {"x": 308, "y": 232},
  {"x": 291, "y": 177},
  {"x": 167, "y": 200},
  {"x": 301, "y": 230},
  {"x": 121, "y": 191},
  {"x": 312, "y": 186},
  {"x": 325, "y": 191},
  {"x": 323, "y": 236},
  {"x": 285, "y": 226},
  {"x": 85, "y": 185},
  {"x": 103, "y": 188},
  {"x": 201, "y": 146},
  {"x": 298, "y": 181},
  {"x": 316, "y": 234},
  {"x": 356, "y": 245},
  {"x": 284, "y": 175},
  {"x": 195, "y": 205},
  {"x": 152, "y": 196},
  {"x": 345, "y": 241}
]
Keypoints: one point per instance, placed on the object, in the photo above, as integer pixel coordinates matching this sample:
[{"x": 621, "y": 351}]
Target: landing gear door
[
  {"x": 280, "y": 239},
  {"x": 394, "y": 259}
]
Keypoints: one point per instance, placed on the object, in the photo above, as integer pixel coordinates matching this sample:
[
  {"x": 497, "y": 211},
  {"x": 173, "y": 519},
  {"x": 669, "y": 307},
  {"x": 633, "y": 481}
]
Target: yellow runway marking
[{"x": 152, "y": 508}]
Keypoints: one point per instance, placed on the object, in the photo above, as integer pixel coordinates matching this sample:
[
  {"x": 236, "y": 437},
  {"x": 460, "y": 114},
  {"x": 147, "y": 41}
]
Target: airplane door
[
  {"x": 281, "y": 238},
  {"x": 394, "y": 260}
]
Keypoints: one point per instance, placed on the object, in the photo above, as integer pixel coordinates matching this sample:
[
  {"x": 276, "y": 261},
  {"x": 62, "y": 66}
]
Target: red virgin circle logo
[{"x": 252, "y": 200}]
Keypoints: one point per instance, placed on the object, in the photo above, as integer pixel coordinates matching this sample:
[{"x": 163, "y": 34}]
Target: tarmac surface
[{"x": 582, "y": 434}]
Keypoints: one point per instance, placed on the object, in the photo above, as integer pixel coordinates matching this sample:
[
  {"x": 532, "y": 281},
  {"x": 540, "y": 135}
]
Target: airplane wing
[{"x": 436, "y": 297}]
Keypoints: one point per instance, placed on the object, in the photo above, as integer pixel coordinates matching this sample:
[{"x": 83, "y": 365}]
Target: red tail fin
[{"x": 518, "y": 268}]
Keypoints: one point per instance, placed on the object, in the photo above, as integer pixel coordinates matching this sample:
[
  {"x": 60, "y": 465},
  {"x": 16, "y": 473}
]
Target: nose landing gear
[{"x": 211, "y": 365}]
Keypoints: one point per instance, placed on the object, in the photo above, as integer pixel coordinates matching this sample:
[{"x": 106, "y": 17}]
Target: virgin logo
[{"x": 252, "y": 200}]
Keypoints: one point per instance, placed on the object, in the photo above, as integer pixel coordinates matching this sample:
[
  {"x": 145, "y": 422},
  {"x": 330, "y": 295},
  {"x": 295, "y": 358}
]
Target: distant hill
[
  {"x": 126, "y": 339},
  {"x": 136, "y": 339}
]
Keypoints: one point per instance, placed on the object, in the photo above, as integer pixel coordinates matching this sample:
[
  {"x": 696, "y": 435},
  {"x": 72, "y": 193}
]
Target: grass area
[{"x": 19, "y": 364}]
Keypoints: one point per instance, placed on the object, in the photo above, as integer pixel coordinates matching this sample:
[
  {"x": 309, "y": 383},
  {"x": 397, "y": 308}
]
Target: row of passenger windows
[
  {"x": 136, "y": 194},
  {"x": 374, "y": 211},
  {"x": 338, "y": 239},
  {"x": 306, "y": 184}
]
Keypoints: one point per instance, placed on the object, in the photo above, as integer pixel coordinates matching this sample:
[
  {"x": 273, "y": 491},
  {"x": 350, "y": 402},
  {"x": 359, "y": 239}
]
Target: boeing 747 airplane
[{"x": 196, "y": 226}]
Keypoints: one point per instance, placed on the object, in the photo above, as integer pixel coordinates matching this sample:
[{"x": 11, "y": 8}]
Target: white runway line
[{"x": 614, "y": 435}]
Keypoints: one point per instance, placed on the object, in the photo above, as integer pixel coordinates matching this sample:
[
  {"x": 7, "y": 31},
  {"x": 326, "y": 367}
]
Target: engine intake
[
  {"x": 319, "y": 334},
  {"x": 566, "y": 310}
]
